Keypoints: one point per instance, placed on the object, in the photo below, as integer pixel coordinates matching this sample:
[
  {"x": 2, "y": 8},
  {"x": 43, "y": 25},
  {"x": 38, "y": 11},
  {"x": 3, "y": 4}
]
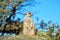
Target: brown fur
[{"x": 28, "y": 25}]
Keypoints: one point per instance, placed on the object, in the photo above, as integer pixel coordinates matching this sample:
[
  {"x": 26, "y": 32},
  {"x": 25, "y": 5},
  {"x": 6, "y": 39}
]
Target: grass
[{"x": 39, "y": 36}]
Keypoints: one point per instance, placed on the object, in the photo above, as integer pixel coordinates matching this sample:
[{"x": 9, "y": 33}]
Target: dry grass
[{"x": 24, "y": 37}]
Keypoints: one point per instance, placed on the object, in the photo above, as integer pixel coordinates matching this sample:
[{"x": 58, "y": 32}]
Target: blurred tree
[
  {"x": 1, "y": 0},
  {"x": 6, "y": 14},
  {"x": 4, "y": 11},
  {"x": 58, "y": 34},
  {"x": 57, "y": 26},
  {"x": 50, "y": 30},
  {"x": 49, "y": 22},
  {"x": 43, "y": 24}
]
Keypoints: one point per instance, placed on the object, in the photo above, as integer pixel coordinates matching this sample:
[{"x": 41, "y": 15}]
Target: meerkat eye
[{"x": 29, "y": 13}]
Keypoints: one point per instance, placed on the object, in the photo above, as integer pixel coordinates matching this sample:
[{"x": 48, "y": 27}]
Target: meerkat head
[{"x": 29, "y": 14}]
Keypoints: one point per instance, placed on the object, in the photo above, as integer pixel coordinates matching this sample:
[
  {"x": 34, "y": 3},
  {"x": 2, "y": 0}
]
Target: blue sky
[
  {"x": 45, "y": 9},
  {"x": 50, "y": 10}
]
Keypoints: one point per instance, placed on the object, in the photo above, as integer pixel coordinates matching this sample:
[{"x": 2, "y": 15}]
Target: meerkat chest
[{"x": 28, "y": 20}]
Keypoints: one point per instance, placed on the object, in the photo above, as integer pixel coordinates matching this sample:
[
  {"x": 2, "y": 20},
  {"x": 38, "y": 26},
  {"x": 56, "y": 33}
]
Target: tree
[
  {"x": 50, "y": 30},
  {"x": 6, "y": 14},
  {"x": 58, "y": 34},
  {"x": 4, "y": 11}
]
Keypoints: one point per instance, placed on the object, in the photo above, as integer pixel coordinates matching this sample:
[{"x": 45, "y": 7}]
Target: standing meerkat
[{"x": 28, "y": 25}]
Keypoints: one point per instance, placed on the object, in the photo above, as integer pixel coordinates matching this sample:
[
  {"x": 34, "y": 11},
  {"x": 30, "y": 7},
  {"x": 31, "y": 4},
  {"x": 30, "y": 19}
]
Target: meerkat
[{"x": 28, "y": 25}]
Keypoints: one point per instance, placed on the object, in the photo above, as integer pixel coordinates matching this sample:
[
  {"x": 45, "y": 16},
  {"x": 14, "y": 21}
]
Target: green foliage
[
  {"x": 4, "y": 12},
  {"x": 1, "y": 0},
  {"x": 58, "y": 35},
  {"x": 50, "y": 30}
]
